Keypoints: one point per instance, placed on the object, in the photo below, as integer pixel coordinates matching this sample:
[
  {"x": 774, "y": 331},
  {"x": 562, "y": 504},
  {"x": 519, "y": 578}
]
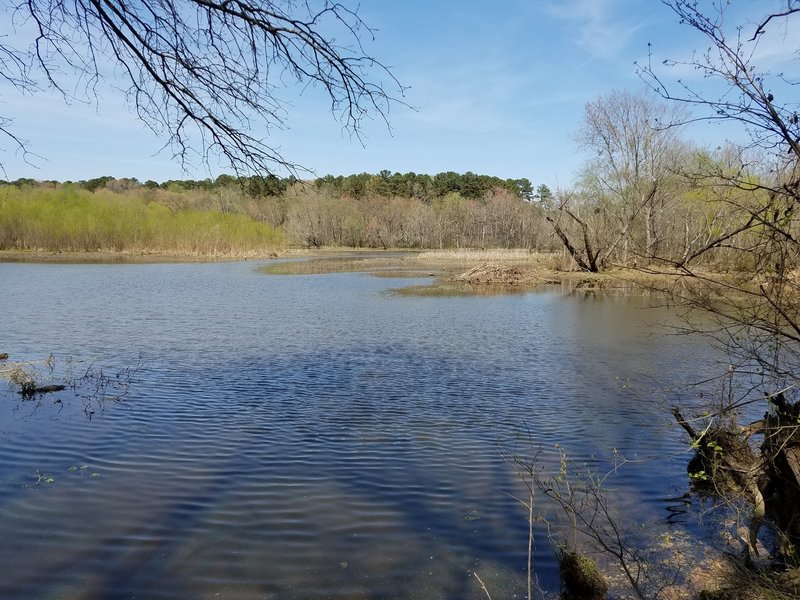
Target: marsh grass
[
  {"x": 477, "y": 255},
  {"x": 445, "y": 270},
  {"x": 319, "y": 266},
  {"x": 31, "y": 377},
  {"x": 69, "y": 219},
  {"x": 452, "y": 289},
  {"x": 538, "y": 261},
  {"x": 380, "y": 266},
  {"x": 428, "y": 263}
]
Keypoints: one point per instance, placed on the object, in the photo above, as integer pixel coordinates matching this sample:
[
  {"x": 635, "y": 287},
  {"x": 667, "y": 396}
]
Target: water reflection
[{"x": 313, "y": 436}]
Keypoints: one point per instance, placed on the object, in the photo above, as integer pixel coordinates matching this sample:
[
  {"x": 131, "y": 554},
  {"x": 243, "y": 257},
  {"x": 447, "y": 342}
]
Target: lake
[{"x": 315, "y": 436}]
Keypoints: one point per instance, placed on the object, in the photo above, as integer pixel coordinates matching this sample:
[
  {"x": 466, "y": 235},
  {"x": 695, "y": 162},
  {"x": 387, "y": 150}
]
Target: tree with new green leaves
[
  {"x": 635, "y": 149},
  {"x": 617, "y": 213}
]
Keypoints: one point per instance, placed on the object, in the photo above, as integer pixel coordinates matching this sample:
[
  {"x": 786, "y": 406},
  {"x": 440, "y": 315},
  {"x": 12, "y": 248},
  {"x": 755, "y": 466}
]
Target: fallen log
[
  {"x": 781, "y": 454},
  {"x": 41, "y": 389},
  {"x": 726, "y": 465},
  {"x": 580, "y": 578}
]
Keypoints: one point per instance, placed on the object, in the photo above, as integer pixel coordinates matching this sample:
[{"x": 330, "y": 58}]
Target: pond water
[{"x": 313, "y": 436}]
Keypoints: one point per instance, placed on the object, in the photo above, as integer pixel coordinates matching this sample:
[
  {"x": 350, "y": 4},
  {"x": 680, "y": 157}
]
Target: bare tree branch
[{"x": 207, "y": 74}]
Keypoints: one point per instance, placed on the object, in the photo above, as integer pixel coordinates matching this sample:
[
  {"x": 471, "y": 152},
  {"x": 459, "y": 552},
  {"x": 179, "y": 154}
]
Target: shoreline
[
  {"x": 108, "y": 257},
  {"x": 452, "y": 272},
  {"x": 144, "y": 257}
]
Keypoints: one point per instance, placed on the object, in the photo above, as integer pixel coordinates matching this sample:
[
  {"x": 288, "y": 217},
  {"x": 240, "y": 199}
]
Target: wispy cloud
[
  {"x": 774, "y": 51},
  {"x": 479, "y": 96},
  {"x": 777, "y": 46},
  {"x": 597, "y": 25}
]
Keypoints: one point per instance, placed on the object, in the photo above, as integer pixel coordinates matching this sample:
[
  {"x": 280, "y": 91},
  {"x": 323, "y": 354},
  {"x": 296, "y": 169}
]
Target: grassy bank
[
  {"x": 70, "y": 219},
  {"x": 474, "y": 272}
]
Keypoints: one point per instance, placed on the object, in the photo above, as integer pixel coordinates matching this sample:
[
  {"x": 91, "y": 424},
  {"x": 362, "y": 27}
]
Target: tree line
[
  {"x": 646, "y": 196},
  {"x": 385, "y": 184},
  {"x": 723, "y": 221},
  {"x": 447, "y": 210}
]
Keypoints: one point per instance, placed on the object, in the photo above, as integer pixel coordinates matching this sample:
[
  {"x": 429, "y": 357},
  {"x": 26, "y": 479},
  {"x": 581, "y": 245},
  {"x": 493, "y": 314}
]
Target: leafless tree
[
  {"x": 627, "y": 183},
  {"x": 579, "y": 233},
  {"x": 755, "y": 309},
  {"x": 636, "y": 148},
  {"x": 205, "y": 74}
]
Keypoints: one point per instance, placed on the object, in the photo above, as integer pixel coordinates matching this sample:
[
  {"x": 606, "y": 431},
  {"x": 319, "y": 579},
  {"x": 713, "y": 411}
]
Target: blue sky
[{"x": 499, "y": 88}]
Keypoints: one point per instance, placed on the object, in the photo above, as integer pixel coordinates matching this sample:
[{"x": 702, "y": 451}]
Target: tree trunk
[{"x": 576, "y": 256}]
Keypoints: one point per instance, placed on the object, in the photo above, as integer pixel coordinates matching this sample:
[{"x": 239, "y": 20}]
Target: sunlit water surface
[{"x": 314, "y": 436}]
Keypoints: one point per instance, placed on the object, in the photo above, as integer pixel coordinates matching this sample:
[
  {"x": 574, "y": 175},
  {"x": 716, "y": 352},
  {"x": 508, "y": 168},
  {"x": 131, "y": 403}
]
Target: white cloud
[
  {"x": 777, "y": 47},
  {"x": 478, "y": 95},
  {"x": 598, "y": 27},
  {"x": 774, "y": 51}
]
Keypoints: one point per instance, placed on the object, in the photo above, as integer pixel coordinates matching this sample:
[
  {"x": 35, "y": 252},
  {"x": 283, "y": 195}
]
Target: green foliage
[
  {"x": 411, "y": 185},
  {"x": 73, "y": 219},
  {"x": 44, "y": 478},
  {"x": 94, "y": 184},
  {"x": 525, "y": 188},
  {"x": 82, "y": 470},
  {"x": 544, "y": 193},
  {"x": 265, "y": 186},
  {"x": 221, "y": 216}
]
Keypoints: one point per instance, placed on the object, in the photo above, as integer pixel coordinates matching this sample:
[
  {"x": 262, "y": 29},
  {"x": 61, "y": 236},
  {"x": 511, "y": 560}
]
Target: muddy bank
[
  {"x": 103, "y": 257},
  {"x": 451, "y": 272},
  {"x": 454, "y": 273}
]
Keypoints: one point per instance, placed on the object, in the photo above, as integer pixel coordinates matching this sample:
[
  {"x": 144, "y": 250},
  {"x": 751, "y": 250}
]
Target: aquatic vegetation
[
  {"x": 44, "y": 479},
  {"x": 93, "y": 385}
]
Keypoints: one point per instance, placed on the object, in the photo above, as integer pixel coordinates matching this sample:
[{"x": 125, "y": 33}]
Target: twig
[{"x": 483, "y": 585}]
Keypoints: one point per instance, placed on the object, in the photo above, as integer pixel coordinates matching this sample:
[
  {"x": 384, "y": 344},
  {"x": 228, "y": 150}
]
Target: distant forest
[
  {"x": 385, "y": 183},
  {"x": 384, "y": 210}
]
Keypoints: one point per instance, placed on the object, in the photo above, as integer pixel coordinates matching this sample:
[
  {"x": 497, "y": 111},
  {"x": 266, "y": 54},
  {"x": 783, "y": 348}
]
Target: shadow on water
[{"x": 313, "y": 437}]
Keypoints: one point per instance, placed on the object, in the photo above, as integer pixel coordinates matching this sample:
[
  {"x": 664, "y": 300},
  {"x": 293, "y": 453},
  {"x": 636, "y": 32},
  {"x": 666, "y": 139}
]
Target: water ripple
[{"x": 311, "y": 436}]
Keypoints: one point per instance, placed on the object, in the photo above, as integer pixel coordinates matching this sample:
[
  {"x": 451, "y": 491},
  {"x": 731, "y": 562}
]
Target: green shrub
[{"x": 71, "y": 219}]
